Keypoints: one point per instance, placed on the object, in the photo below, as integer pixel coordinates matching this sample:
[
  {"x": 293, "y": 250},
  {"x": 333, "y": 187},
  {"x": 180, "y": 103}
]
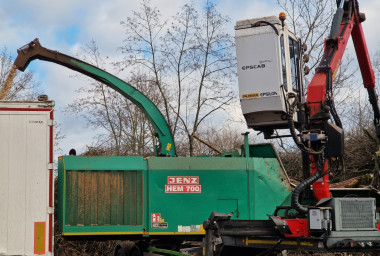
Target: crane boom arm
[
  {"x": 320, "y": 86},
  {"x": 34, "y": 50},
  {"x": 346, "y": 23},
  {"x": 366, "y": 71}
]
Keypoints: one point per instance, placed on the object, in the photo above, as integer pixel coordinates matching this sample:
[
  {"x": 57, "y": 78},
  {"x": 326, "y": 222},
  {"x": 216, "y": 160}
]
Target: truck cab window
[
  {"x": 283, "y": 63},
  {"x": 294, "y": 58}
]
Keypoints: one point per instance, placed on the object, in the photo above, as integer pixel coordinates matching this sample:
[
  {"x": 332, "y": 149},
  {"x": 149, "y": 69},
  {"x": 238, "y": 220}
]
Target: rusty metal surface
[{"x": 98, "y": 198}]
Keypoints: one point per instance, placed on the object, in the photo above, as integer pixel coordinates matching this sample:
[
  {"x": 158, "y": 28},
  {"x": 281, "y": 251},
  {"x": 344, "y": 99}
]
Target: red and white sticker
[
  {"x": 156, "y": 217},
  {"x": 183, "y": 184}
]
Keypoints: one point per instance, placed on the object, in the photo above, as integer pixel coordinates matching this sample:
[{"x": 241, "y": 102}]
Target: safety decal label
[
  {"x": 156, "y": 217},
  {"x": 183, "y": 184},
  {"x": 157, "y": 221},
  {"x": 259, "y": 95}
]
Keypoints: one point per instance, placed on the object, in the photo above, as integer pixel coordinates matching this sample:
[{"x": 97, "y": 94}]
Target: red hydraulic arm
[{"x": 347, "y": 21}]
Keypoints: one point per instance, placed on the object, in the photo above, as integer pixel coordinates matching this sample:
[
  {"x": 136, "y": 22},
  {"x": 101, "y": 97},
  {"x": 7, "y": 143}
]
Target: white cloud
[{"x": 371, "y": 9}]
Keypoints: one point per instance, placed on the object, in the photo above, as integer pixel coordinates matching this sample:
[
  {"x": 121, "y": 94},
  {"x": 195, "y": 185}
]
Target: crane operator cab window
[
  {"x": 294, "y": 57},
  {"x": 268, "y": 61}
]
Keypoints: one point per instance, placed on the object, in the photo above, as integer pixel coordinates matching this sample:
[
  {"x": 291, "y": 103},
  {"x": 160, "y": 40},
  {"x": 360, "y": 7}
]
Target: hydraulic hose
[
  {"x": 304, "y": 184},
  {"x": 301, "y": 187},
  {"x": 292, "y": 127}
]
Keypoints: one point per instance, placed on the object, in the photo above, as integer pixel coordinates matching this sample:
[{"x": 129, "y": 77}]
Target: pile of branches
[{"x": 82, "y": 246}]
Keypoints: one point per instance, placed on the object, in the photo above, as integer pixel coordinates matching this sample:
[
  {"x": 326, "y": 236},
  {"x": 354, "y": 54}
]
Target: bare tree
[
  {"x": 190, "y": 57},
  {"x": 224, "y": 138},
  {"x": 127, "y": 130},
  {"x": 310, "y": 21},
  {"x": 360, "y": 140},
  {"x": 23, "y": 86}
]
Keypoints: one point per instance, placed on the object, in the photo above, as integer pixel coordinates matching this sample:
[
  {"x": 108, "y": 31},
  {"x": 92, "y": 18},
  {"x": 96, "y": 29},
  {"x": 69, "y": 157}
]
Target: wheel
[
  {"x": 127, "y": 248},
  {"x": 120, "y": 251},
  {"x": 135, "y": 251}
]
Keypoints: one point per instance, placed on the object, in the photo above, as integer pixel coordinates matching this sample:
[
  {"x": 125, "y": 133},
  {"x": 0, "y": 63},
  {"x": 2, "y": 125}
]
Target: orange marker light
[{"x": 282, "y": 16}]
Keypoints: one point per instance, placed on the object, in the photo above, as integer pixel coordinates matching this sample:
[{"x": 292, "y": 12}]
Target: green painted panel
[
  {"x": 250, "y": 188},
  {"x": 265, "y": 150},
  {"x": 197, "y": 163},
  {"x": 113, "y": 200},
  {"x": 271, "y": 187},
  {"x": 102, "y": 230},
  {"x": 228, "y": 206},
  {"x": 103, "y": 163},
  {"x": 219, "y": 178}
]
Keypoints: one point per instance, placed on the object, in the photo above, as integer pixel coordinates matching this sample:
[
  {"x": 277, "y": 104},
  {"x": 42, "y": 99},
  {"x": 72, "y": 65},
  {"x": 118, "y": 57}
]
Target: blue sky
[{"x": 68, "y": 25}]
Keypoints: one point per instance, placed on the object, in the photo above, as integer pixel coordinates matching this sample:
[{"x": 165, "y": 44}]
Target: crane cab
[{"x": 269, "y": 64}]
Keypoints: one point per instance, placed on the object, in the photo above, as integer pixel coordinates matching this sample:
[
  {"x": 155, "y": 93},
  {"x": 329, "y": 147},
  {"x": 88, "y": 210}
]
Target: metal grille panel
[{"x": 357, "y": 214}]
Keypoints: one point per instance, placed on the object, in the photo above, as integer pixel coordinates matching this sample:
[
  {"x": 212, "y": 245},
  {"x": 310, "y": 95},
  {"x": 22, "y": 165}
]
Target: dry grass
[{"x": 83, "y": 247}]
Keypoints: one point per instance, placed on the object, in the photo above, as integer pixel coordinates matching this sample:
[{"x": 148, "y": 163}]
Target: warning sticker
[
  {"x": 156, "y": 217},
  {"x": 183, "y": 184},
  {"x": 157, "y": 221}
]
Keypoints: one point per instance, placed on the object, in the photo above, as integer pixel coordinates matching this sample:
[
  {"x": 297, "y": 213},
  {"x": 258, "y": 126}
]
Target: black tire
[
  {"x": 121, "y": 251},
  {"x": 127, "y": 248},
  {"x": 135, "y": 251}
]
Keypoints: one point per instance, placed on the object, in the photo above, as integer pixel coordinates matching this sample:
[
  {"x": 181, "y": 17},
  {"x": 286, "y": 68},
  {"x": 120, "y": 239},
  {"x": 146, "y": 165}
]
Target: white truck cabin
[{"x": 269, "y": 64}]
